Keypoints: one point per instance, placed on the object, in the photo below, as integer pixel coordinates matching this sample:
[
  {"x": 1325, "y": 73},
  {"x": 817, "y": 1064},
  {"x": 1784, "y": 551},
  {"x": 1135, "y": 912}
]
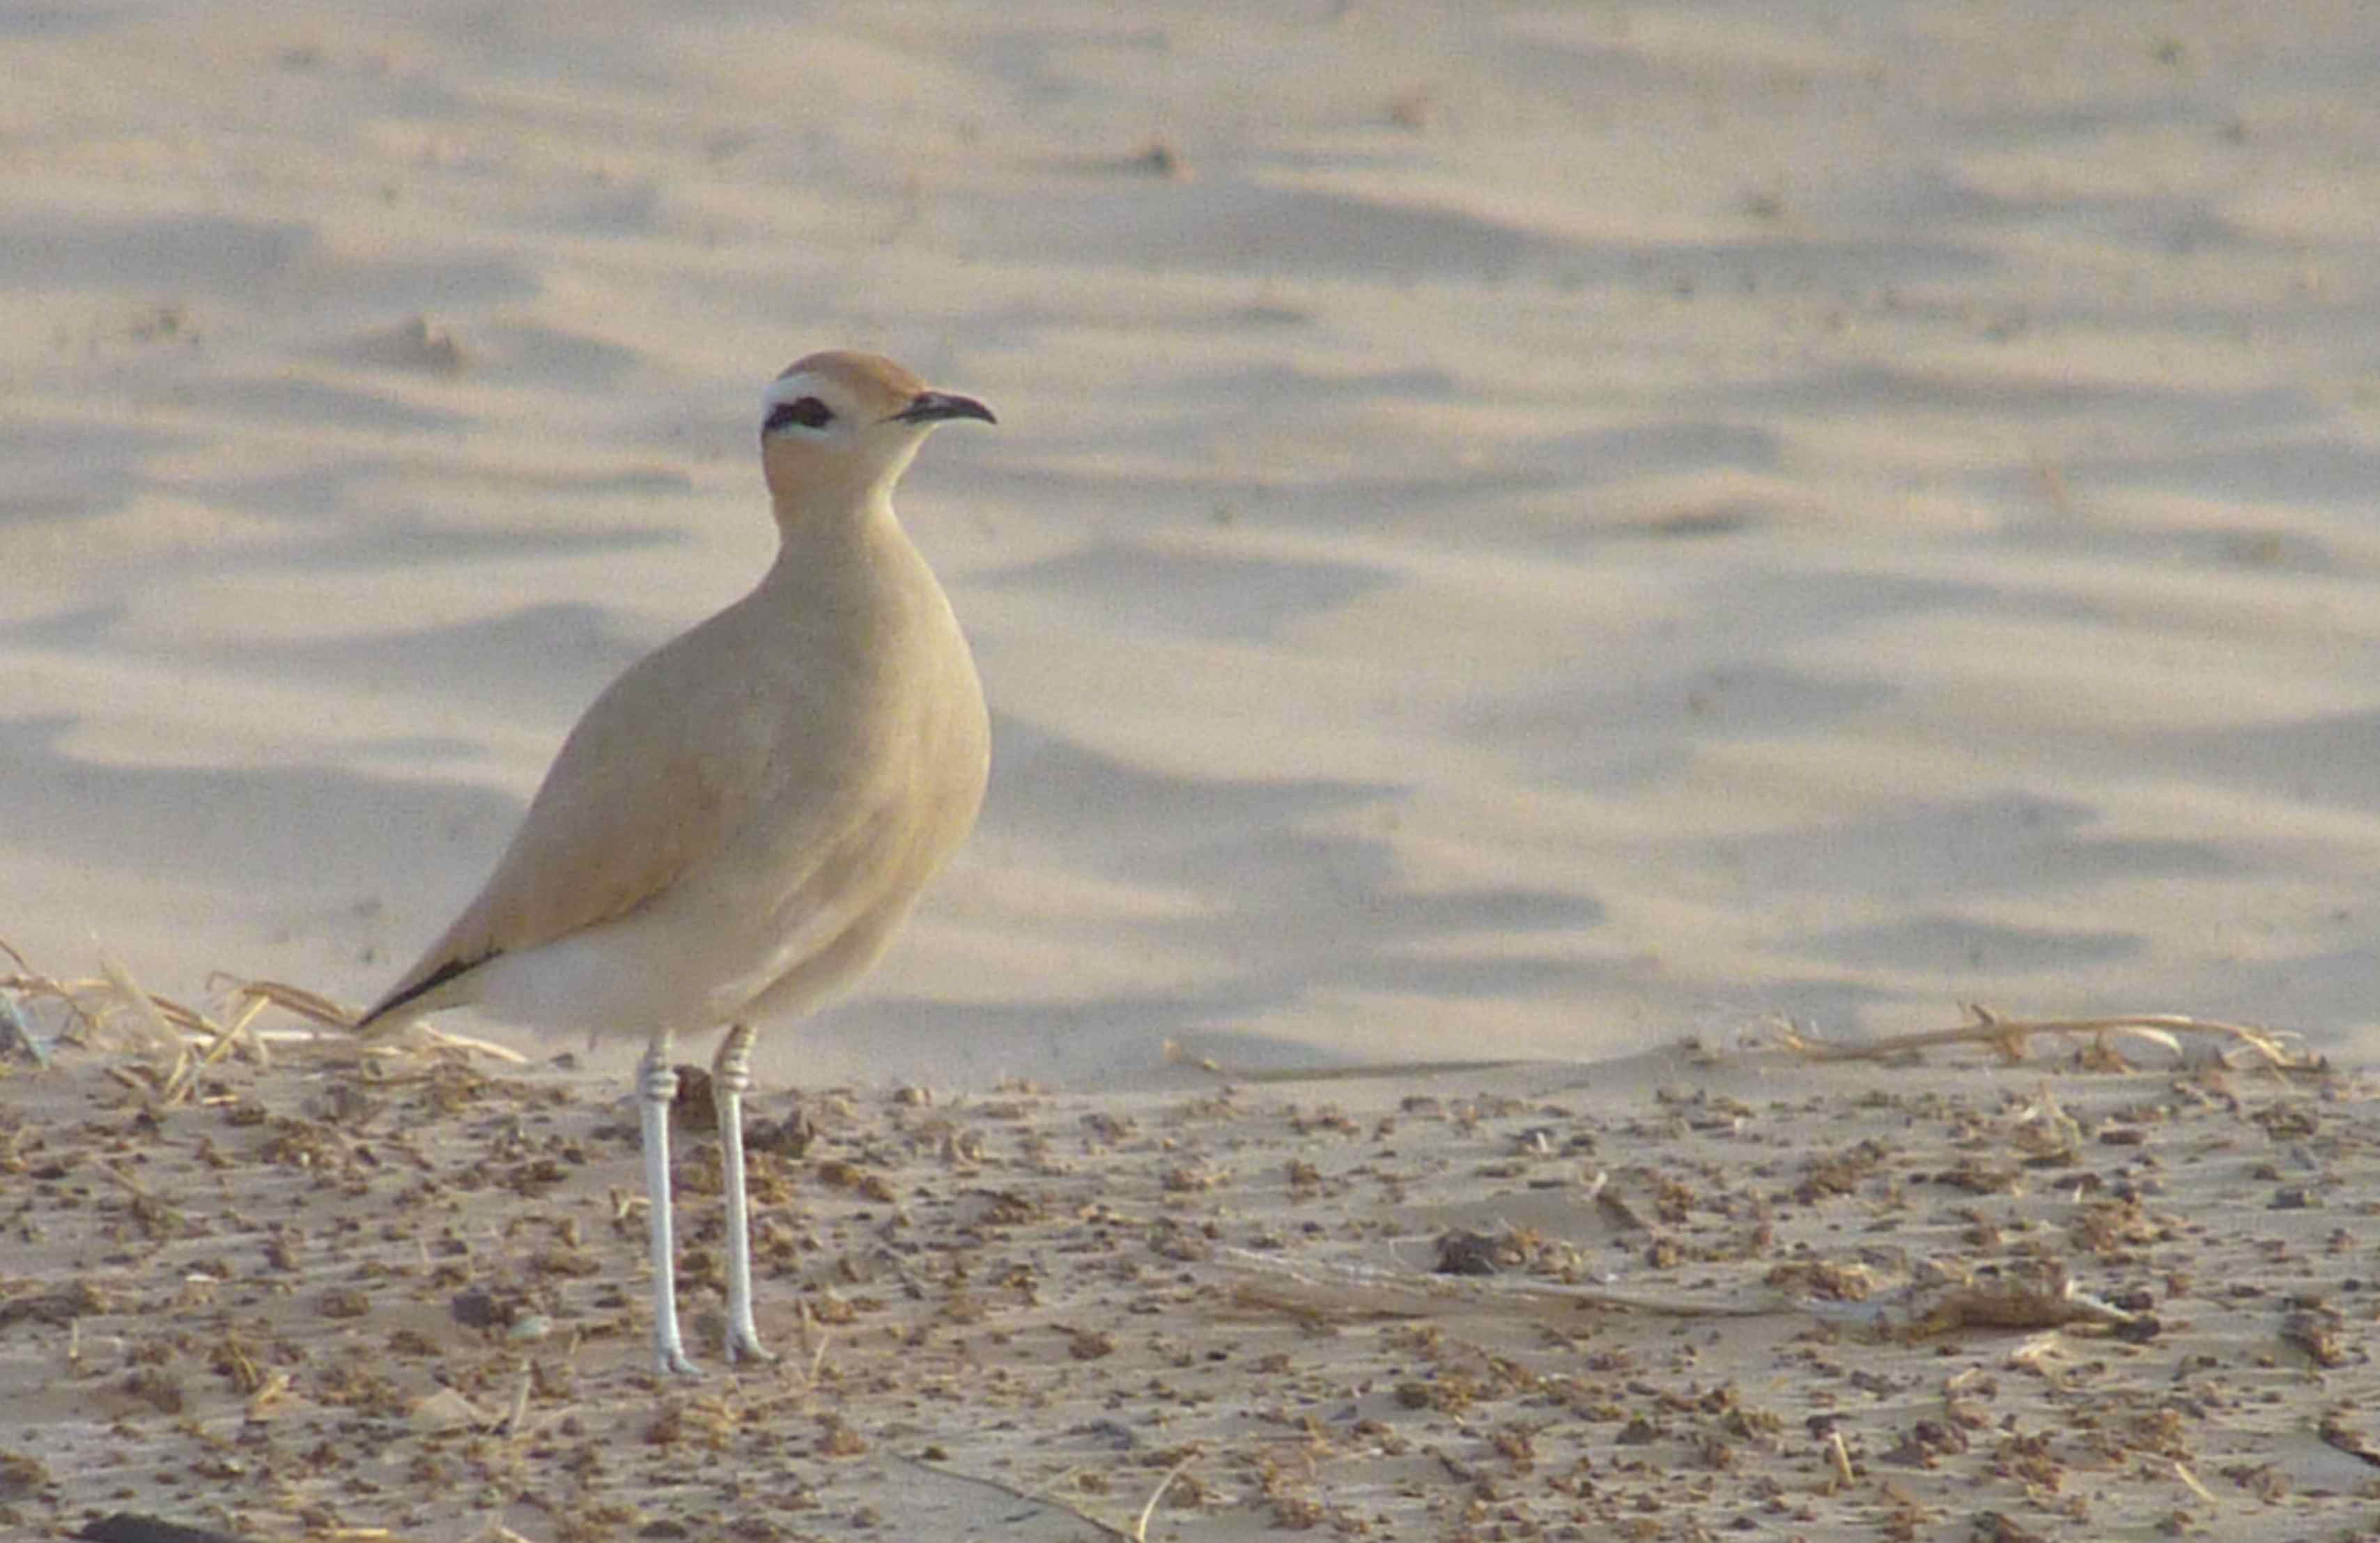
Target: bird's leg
[
  {"x": 656, "y": 1086},
  {"x": 731, "y": 1073}
]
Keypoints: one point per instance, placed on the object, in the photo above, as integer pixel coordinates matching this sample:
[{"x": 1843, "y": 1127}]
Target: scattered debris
[{"x": 1170, "y": 1315}]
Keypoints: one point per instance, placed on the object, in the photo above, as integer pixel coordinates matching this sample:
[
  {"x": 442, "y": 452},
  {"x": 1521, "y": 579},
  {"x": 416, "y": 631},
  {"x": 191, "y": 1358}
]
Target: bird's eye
[{"x": 808, "y": 411}]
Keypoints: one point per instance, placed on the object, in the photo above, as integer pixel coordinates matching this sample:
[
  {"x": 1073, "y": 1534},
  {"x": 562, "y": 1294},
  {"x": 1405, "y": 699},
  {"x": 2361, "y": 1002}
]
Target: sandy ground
[
  {"x": 1673, "y": 1297},
  {"x": 1517, "y": 531}
]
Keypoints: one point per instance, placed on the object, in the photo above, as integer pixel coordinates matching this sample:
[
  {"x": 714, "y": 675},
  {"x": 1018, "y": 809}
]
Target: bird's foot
[
  {"x": 744, "y": 1345},
  {"x": 671, "y": 1360}
]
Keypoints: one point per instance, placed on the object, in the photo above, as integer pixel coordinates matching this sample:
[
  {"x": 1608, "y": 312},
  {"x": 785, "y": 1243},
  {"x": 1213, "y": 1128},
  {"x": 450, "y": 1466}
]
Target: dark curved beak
[{"x": 932, "y": 406}]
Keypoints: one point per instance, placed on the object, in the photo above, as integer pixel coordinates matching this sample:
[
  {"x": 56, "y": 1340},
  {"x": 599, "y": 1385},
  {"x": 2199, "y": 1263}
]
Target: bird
[{"x": 741, "y": 821}]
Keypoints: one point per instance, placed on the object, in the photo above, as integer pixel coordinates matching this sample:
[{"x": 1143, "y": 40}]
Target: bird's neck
[
  {"x": 821, "y": 519},
  {"x": 825, "y": 548}
]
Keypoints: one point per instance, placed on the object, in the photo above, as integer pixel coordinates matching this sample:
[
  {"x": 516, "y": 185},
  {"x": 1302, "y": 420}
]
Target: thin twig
[
  {"x": 1140, "y": 1526},
  {"x": 2008, "y": 1036},
  {"x": 1176, "y": 1055},
  {"x": 1027, "y": 1496},
  {"x": 288, "y": 998},
  {"x": 1344, "y": 1291}
]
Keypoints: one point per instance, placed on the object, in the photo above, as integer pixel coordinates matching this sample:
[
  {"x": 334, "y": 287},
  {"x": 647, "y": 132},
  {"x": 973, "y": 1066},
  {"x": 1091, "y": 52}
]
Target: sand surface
[
  {"x": 1515, "y": 531},
  {"x": 1668, "y": 1297}
]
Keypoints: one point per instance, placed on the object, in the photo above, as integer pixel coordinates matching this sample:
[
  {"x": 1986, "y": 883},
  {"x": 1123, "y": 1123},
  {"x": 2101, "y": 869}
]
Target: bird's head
[{"x": 840, "y": 425}]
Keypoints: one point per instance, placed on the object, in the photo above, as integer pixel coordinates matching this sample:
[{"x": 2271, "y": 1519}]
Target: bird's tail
[
  {"x": 383, "y": 1021},
  {"x": 397, "y": 1011}
]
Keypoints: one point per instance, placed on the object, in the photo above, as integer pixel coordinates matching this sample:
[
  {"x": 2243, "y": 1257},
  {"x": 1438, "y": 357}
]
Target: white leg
[
  {"x": 656, "y": 1085},
  {"x": 731, "y": 1073}
]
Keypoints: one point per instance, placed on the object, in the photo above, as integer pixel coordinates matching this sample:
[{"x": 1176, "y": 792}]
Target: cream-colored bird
[{"x": 740, "y": 823}]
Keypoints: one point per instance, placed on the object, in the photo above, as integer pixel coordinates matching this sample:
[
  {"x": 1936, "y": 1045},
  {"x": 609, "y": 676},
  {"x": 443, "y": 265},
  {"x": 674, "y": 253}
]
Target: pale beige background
[{"x": 1555, "y": 527}]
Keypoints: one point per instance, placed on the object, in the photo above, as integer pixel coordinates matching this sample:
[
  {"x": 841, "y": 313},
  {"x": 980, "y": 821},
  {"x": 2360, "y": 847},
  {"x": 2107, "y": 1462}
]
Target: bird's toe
[{"x": 744, "y": 1345}]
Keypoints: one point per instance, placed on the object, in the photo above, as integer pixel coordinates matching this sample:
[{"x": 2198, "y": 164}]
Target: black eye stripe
[{"x": 807, "y": 411}]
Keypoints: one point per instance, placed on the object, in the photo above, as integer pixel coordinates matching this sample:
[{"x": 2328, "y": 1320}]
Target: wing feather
[{"x": 649, "y": 786}]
